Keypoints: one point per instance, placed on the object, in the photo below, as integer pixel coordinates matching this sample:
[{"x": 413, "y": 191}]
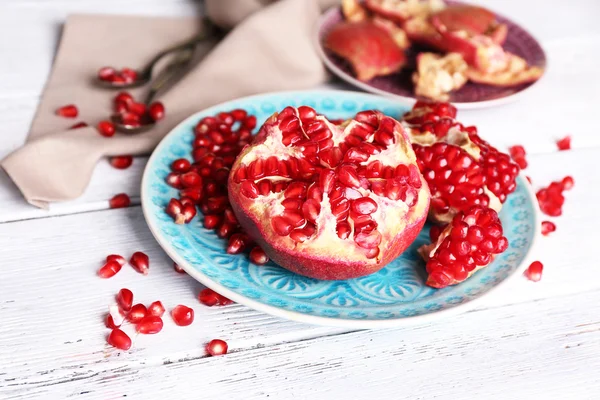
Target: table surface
[{"x": 527, "y": 340}]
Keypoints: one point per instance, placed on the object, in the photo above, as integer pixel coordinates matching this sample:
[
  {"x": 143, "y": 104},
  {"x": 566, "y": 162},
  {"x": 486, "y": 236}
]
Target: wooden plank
[{"x": 542, "y": 349}]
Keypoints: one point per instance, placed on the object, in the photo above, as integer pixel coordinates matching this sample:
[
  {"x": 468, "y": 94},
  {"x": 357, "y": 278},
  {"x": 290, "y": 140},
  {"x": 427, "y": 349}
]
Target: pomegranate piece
[
  {"x": 68, "y": 111},
  {"x": 109, "y": 269},
  {"x": 548, "y": 227},
  {"x": 368, "y": 47},
  {"x": 125, "y": 299},
  {"x": 137, "y": 312},
  {"x": 121, "y": 162},
  {"x": 140, "y": 262},
  {"x": 305, "y": 187},
  {"x": 534, "y": 272},
  {"x": 149, "y": 325},
  {"x": 119, "y": 339},
  {"x": 216, "y": 347},
  {"x": 120, "y": 200},
  {"x": 156, "y": 308},
  {"x": 437, "y": 75},
  {"x": 512, "y": 71},
  {"x": 471, "y": 19},
  {"x": 156, "y": 111},
  {"x": 400, "y": 11},
  {"x": 467, "y": 244},
  {"x": 106, "y": 128},
  {"x": 210, "y": 298},
  {"x": 182, "y": 315},
  {"x": 461, "y": 169},
  {"x": 564, "y": 143}
]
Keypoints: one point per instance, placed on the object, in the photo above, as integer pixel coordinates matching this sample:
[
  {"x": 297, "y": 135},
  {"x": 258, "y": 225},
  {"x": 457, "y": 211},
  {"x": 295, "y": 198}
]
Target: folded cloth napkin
[{"x": 269, "y": 48}]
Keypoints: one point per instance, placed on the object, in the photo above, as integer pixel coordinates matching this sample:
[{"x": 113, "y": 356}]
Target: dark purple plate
[{"x": 400, "y": 86}]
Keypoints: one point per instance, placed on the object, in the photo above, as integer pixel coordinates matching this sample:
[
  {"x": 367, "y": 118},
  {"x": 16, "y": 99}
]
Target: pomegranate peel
[{"x": 302, "y": 207}]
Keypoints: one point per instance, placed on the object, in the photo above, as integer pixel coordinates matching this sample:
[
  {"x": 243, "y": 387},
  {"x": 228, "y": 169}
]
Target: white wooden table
[{"x": 529, "y": 340}]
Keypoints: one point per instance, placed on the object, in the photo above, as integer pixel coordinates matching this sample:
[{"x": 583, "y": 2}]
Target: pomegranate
[
  {"x": 466, "y": 245},
  {"x": 368, "y": 47},
  {"x": 216, "y": 347},
  {"x": 324, "y": 200},
  {"x": 461, "y": 169}
]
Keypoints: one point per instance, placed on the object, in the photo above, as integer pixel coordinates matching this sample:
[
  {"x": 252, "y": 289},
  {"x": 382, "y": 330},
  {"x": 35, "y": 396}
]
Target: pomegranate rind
[
  {"x": 328, "y": 257},
  {"x": 369, "y": 48}
]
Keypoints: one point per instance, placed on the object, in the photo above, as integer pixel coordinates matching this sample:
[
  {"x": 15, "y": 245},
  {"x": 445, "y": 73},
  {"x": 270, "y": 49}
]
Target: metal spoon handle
[{"x": 171, "y": 73}]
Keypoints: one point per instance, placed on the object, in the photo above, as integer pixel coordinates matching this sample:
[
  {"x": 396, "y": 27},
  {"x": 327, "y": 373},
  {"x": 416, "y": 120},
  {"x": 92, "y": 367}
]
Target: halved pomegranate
[
  {"x": 466, "y": 245},
  {"x": 461, "y": 169},
  {"x": 329, "y": 201},
  {"x": 368, "y": 47}
]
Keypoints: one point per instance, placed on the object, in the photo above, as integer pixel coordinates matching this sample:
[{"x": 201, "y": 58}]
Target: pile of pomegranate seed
[
  {"x": 216, "y": 347},
  {"x": 518, "y": 154},
  {"x": 120, "y": 200},
  {"x": 551, "y": 199},
  {"x": 68, "y": 111},
  {"x": 564, "y": 143},
  {"x": 203, "y": 183},
  {"x": 210, "y": 298},
  {"x": 121, "y": 162},
  {"x": 123, "y": 76},
  {"x": 132, "y": 113}
]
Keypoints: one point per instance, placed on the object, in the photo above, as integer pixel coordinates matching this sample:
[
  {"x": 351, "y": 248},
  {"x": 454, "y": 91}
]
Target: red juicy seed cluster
[
  {"x": 551, "y": 199},
  {"x": 518, "y": 154},
  {"x": 203, "y": 183},
  {"x": 455, "y": 179},
  {"x": 117, "y": 77},
  {"x": 134, "y": 114},
  {"x": 472, "y": 239},
  {"x": 335, "y": 170},
  {"x": 564, "y": 143}
]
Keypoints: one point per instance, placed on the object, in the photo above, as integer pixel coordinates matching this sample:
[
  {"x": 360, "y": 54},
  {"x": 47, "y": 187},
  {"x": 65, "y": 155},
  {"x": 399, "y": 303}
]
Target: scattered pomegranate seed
[
  {"x": 568, "y": 182},
  {"x": 181, "y": 213},
  {"x": 156, "y": 308},
  {"x": 130, "y": 75},
  {"x": 120, "y": 200},
  {"x": 216, "y": 347},
  {"x": 106, "y": 128},
  {"x": 68, "y": 111},
  {"x": 115, "y": 257},
  {"x": 121, "y": 162},
  {"x": 125, "y": 299},
  {"x": 109, "y": 269},
  {"x": 564, "y": 143},
  {"x": 534, "y": 272},
  {"x": 258, "y": 256},
  {"x": 140, "y": 262},
  {"x": 150, "y": 325},
  {"x": 156, "y": 111},
  {"x": 182, "y": 315},
  {"x": 210, "y": 298},
  {"x": 119, "y": 339},
  {"x": 137, "y": 108},
  {"x": 181, "y": 165},
  {"x": 137, "y": 312},
  {"x": 548, "y": 227},
  {"x": 177, "y": 268},
  {"x": 123, "y": 97},
  {"x": 517, "y": 151},
  {"x": 79, "y": 125},
  {"x": 106, "y": 73}
]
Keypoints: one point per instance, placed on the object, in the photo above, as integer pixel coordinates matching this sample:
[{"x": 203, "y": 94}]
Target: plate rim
[
  {"x": 298, "y": 316},
  {"x": 472, "y": 105}
]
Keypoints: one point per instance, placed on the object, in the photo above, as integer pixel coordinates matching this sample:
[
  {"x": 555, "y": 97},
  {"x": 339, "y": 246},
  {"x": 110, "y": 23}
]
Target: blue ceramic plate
[{"x": 396, "y": 295}]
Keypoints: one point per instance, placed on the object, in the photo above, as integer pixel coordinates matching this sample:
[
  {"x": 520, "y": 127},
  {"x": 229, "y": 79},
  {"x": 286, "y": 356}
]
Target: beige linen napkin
[{"x": 269, "y": 49}]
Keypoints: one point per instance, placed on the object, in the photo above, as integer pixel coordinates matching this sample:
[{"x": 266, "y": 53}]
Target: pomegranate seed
[
  {"x": 156, "y": 111},
  {"x": 568, "y": 182},
  {"x": 564, "y": 143},
  {"x": 109, "y": 269},
  {"x": 181, "y": 165},
  {"x": 116, "y": 315},
  {"x": 177, "y": 268},
  {"x": 68, "y": 111},
  {"x": 174, "y": 180},
  {"x": 548, "y": 227},
  {"x": 115, "y": 257},
  {"x": 121, "y": 162},
  {"x": 156, "y": 308},
  {"x": 140, "y": 262},
  {"x": 120, "y": 200},
  {"x": 182, "y": 315},
  {"x": 129, "y": 74},
  {"x": 110, "y": 323},
  {"x": 137, "y": 108},
  {"x": 238, "y": 114},
  {"x": 106, "y": 128},
  {"x": 150, "y": 325},
  {"x": 210, "y": 298},
  {"x": 124, "y": 97},
  {"x": 211, "y": 221},
  {"x": 258, "y": 256},
  {"x": 237, "y": 243},
  {"x": 534, "y": 272},
  {"x": 119, "y": 339},
  {"x": 79, "y": 125},
  {"x": 125, "y": 299},
  {"x": 191, "y": 179},
  {"x": 106, "y": 73},
  {"x": 517, "y": 151},
  {"x": 216, "y": 347},
  {"x": 137, "y": 312}
]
